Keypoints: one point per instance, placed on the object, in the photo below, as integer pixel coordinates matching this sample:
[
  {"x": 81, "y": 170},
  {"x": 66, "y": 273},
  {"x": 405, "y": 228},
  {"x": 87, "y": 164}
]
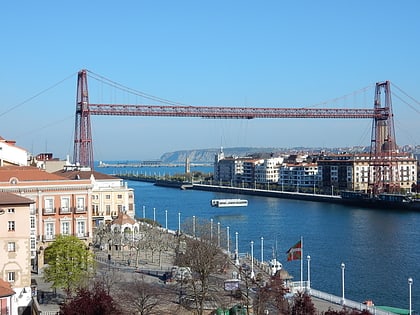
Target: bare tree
[
  {"x": 271, "y": 298},
  {"x": 203, "y": 257},
  {"x": 140, "y": 297}
]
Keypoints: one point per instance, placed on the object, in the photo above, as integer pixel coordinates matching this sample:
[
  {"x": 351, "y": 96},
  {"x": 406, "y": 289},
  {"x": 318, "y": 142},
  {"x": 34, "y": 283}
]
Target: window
[
  {"x": 49, "y": 230},
  {"x": 33, "y": 243},
  {"x": 119, "y": 196},
  {"x": 11, "y": 210},
  {"x": 11, "y": 225},
  {"x": 11, "y": 247},
  {"x": 65, "y": 228},
  {"x": 32, "y": 222},
  {"x": 11, "y": 276},
  {"x": 65, "y": 204},
  {"x": 108, "y": 209},
  {"x": 49, "y": 205},
  {"x": 107, "y": 196},
  {"x": 81, "y": 228},
  {"x": 80, "y": 203}
]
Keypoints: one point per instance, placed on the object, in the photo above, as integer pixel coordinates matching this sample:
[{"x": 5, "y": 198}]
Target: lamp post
[
  {"x": 218, "y": 234},
  {"x": 228, "y": 241},
  {"x": 309, "y": 272},
  {"x": 343, "y": 266},
  {"x": 194, "y": 226},
  {"x": 211, "y": 230},
  {"x": 154, "y": 214},
  {"x": 252, "y": 260},
  {"x": 166, "y": 220},
  {"x": 262, "y": 249},
  {"x": 236, "y": 250},
  {"x": 144, "y": 212},
  {"x": 410, "y": 282},
  {"x": 179, "y": 223}
]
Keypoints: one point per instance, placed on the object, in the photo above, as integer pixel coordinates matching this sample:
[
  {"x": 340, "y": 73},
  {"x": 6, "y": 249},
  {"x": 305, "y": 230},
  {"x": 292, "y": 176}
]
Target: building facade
[
  {"x": 15, "y": 261},
  {"x": 110, "y": 195},
  {"x": 61, "y": 206}
]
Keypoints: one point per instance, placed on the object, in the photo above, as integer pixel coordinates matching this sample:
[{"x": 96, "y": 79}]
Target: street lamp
[
  {"x": 194, "y": 226},
  {"x": 252, "y": 260},
  {"x": 166, "y": 220},
  {"x": 236, "y": 250},
  {"x": 154, "y": 214},
  {"x": 343, "y": 266},
  {"x": 309, "y": 272},
  {"x": 410, "y": 282},
  {"x": 262, "y": 249},
  {"x": 228, "y": 241},
  {"x": 179, "y": 223},
  {"x": 211, "y": 230},
  {"x": 218, "y": 234},
  {"x": 144, "y": 212}
]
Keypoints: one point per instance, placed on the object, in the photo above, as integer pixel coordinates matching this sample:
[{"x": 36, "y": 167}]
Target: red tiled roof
[
  {"x": 123, "y": 218},
  {"x": 84, "y": 175},
  {"x": 26, "y": 173},
  {"x": 7, "y": 198},
  {"x": 5, "y": 289}
]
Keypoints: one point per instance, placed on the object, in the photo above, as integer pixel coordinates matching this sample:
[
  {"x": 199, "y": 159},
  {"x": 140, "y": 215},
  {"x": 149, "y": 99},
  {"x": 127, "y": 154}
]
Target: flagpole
[{"x": 301, "y": 263}]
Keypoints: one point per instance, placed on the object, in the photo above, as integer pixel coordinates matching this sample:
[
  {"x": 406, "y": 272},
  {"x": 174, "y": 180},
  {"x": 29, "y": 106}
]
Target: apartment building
[
  {"x": 268, "y": 171},
  {"x": 61, "y": 206},
  {"x": 10, "y": 154},
  {"x": 355, "y": 172},
  {"x": 110, "y": 195},
  {"x": 15, "y": 261},
  {"x": 297, "y": 176}
]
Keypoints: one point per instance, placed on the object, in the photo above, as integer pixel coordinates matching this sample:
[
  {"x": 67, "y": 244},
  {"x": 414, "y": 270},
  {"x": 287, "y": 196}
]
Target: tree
[
  {"x": 140, "y": 297},
  {"x": 204, "y": 258},
  {"x": 271, "y": 298},
  {"x": 302, "y": 304},
  {"x": 69, "y": 263},
  {"x": 90, "y": 302}
]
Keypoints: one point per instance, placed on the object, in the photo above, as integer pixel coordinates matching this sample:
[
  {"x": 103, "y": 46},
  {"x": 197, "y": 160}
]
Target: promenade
[{"x": 153, "y": 271}]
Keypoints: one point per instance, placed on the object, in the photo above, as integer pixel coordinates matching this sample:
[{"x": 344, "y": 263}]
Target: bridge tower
[
  {"x": 383, "y": 170},
  {"x": 83, "y": 151}
]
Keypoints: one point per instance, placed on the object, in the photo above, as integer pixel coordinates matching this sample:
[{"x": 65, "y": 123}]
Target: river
[{"x": 379, "y": 248}]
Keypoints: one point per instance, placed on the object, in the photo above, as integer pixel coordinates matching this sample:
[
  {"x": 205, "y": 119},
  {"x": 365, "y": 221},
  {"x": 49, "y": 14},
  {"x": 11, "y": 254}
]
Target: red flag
[{"x": 295, "y": 252}]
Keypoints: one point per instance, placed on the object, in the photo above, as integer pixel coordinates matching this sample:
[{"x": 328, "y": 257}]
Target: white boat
[{"x": 221, "y": 203}]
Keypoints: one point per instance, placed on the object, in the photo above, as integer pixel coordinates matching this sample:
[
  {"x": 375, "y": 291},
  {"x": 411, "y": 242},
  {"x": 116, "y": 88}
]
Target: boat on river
[{"x": 222, "y": 203}]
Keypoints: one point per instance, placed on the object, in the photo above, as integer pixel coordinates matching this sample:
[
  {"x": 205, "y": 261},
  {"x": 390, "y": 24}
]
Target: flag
[{"x": 295, "y": 252}]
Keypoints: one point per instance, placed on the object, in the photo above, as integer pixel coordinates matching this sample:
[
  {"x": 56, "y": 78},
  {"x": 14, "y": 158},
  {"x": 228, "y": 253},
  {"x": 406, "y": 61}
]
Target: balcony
[
  {"x": 81, "y": 209},
  {"x": 48, "y": 211},
  {"x": 65, "y": 210},
  {"x": 48, "y": 237}
]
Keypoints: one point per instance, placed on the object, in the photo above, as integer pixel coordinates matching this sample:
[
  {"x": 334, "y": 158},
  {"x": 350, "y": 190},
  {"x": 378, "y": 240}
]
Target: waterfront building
[
  {"x": 356, "y": 172},
  {"x": 60, "y": 206},
  {"x": 110, "y": 194},
  {"x": 10, "y": 154},
  {"x": 299, "y": 175},
  {"x": 227, "y": 169},
  {"x": 249, "y": 170},
  {"x": 15, "y": 261},
  {"x": 268, "y": 171}
]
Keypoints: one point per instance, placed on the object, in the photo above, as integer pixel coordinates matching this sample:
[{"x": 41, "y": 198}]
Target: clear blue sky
[{"x": 224, "y": 53}]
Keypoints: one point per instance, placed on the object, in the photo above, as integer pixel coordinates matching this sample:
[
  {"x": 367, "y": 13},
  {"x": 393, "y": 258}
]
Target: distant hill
[{"x": 207, "y": 155}]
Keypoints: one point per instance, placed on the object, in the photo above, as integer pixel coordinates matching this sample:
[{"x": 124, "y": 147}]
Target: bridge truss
[{"x": 383, "y": 145}]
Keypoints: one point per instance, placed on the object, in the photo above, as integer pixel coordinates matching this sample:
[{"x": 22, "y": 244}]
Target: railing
[{"x": 338, "y": 300}]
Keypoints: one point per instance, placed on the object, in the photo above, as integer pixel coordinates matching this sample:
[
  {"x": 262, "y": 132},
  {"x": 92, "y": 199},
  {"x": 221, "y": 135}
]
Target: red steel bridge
[{"x": 383, "y": 144}]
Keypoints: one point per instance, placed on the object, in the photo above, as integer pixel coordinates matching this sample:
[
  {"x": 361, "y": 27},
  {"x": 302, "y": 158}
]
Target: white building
[
  {"x": 10, "y": 154},
  {"x": 268, "y": 171}
]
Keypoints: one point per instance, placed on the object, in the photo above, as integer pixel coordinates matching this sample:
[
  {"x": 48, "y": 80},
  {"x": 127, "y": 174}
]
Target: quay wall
[{"x": 269, "y": 193}]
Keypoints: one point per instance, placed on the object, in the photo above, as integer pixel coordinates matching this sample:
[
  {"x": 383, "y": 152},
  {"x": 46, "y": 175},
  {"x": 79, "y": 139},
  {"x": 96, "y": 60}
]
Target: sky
[{"x": 209, "y": 53}]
